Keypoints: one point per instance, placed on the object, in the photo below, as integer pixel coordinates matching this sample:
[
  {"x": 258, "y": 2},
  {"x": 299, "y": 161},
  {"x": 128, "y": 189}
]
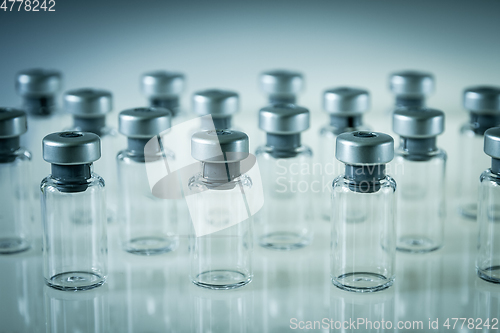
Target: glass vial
[
  {"x": 281, "y": 86},
  {"x": 345, "y": 107},
  {"x": 220, "y": 104},
  {"x": 483, "y": 104},
  {"x": 39, "y": 89},
  {"x": 411, "y": 88},
  {"x": 488, "y": 215},
  {"x": 89, "y": 108},
  {"x": 163, "y": 90},
  {"x": 73, "y": 213},
  {"x": 419, "y": 167},
  {"x": 149, "y": 224},
  {"x": 221, "y": 251},
  {"x": 363, "y": 245},
  {"x": 16, "y": 203},
  {"x": 286, "y": 170}
]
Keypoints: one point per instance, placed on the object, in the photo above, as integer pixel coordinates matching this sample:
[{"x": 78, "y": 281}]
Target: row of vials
[{"x": 222, "y": 193}]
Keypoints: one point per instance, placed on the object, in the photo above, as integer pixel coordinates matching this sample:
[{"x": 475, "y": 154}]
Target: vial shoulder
[
  {"x": 341, "y": 183},
  {"x": 199, "y": 183},
  {"x": 438, "y": 154},
  {"x": 51, "y": 184},
  {"x": 490, "y": 178},
  {"x": 469, "y": 130}
]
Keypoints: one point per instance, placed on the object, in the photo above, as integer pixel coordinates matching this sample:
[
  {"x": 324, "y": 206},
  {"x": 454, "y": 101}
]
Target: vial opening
[
  {"x": 365, "y": 135},
  {"x": 70, "y": 135}
]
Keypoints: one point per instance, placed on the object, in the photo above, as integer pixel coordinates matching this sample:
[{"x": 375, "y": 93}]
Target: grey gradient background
[{"x": 226, "y": 44}]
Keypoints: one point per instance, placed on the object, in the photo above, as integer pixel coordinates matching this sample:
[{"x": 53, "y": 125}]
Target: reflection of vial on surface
[
  {"x": 38, "y": 89},
  {"x": 163, "y": 89},
  {"x": 75, "y": 253},
  {"x": 281, "y": 86},
  {"x": 149, "y": 224},
  {"x": 419, "y": 167},
  {"x": 220, "y": 104},
  {"x": 285, "y": 219},
  {"x": 345, "y": 107},
  {"x": 483, "y": 104},
  {"x": 16, "y": 202},
  {"x": 221, "y": 255},
  {"x": 363, "y": 253},
  {"x": 488, "y": 214},
  {"x": 89, "y": 108}
]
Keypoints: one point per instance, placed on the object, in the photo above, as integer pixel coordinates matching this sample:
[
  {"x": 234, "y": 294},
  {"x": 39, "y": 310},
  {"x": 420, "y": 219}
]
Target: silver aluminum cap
[
  {"x": 38, "y": 82},
  {"x": 162, "y": 84},
  {"x": 13, "y": 123},
  {"x": 492, "y": 142},
  {"x": 346, "y": 101},
  {"x": 362, "y": 147},
  {"x": 418, "y": 123},
  {"x": 88, "y": 102},
  {"x": 144, "y": 123},
  {"x": 218, "y": 103},
  {"x": 284, "y": 119},
  {"x": 219, "y": 146},
  {"x": 482, "y": 99},
  {"x": 411, "y": 83},
  {"x": 281, "y": 82},
  {"x": 71, "y": 148}
]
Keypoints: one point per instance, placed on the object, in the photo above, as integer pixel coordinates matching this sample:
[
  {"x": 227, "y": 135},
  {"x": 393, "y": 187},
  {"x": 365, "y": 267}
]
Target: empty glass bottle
[
  {"x": 281, "y": 86},
  {"x": 16, "y": 199},
  {"x": 73, "y": 213},
  {"x": 483, "y": 104},
  {"x": 163, "y": 89},
  {"x": 363, "y": 244},
  {"x": 286, "y": 170},
  {"x": 419, "y": 167},
  {"x": 488, "y": 214},
  {"x": 345, "y": 107},
  {"x": 38, "y": 89},
  {"x": 220, "y": 104},
  {"x": 89, "y": 108},
  {"x": 149, "y": 224},
  {"x": 221, "y": 250}
]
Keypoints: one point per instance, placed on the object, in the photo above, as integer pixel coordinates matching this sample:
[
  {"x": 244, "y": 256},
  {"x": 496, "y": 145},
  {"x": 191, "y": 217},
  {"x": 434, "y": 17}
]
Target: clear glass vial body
[
  {"x": 472, "y": 163},
  {"x": 148, "y": 224},
  {"x": 74, "y": 238},
  {"x": 330, "y": 166},
  {"x": 363, "y": 245},
  {"x": 488, "y": 258},
  {"x": 16, "y": 201},
  {"x": 421, "y": 199},
  {"x": 284, "y": 222},
  {"x": 222, "y": 259}
]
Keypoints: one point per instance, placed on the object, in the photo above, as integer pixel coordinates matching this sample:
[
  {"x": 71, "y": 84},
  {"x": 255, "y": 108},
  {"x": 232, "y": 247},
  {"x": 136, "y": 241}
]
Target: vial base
[
  {"x": 13, "y": 245},
  {"x": 468, "y": 210},
  {"x": 148, "y": 246},
  {"x": 417, "y": 244},
  {"x": 75, "y": 281},
  {"x": 362, "y": 282},
  {"x": 284, "y": 241},
  {"x": 222, "y": 279},
  {"x": 490, "y": 274}
]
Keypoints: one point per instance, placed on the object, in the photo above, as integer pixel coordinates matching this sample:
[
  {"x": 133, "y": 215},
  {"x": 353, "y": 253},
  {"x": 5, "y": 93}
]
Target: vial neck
[
  {"x": 7, "y": 147},
  {"x": 345, "y": 122},
  {"x": 284, "y": 144},
  {"x": 495, "y": 165},
  {"x": 282, "y": 99},
  {"x": 138, "y": 148},
  {"x": 40, "y": 105},
  {"x": 221, "y": 172},
  {"x": 482, "y": 122},
  {"x": 217, "y": 123},
  {"x": 418, "y": 149},
  {"x": 365, "y": 178},
  {"x": 72, "y": 178},
  {"x": 90, "y": 124},
  {"x": 410, "y": 102},
  {"x": 170, "y": 103}
]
